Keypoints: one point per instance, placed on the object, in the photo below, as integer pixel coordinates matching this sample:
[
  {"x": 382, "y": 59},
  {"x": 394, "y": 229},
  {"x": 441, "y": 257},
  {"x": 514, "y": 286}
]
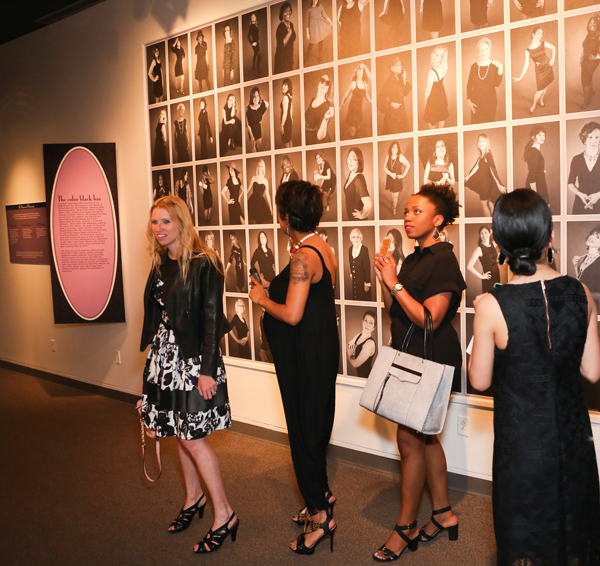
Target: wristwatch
[{"x": 397, "y": 287}]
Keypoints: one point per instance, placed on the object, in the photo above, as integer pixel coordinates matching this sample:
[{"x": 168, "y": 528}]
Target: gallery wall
[{"x": 85, "y": 80}]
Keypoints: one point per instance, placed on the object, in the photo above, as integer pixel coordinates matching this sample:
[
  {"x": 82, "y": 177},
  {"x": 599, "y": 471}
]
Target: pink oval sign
[{"x": 84, "y": 233}]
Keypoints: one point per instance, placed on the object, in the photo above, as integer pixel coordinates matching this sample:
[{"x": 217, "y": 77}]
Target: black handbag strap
[{"x": 427, "y": 335}]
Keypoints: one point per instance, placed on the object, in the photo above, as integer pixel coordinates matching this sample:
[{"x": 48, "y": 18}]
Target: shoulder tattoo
[{"x": 299, "y": 268}]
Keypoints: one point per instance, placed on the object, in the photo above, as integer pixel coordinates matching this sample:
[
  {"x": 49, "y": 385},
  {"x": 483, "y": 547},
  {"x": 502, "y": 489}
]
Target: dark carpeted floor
[{"x": 72, "y": 493}]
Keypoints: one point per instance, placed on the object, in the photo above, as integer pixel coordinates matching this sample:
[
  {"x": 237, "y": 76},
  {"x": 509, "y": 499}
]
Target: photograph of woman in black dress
[
  {"x": 537, "y": 54},
  {"x": 536, "y": 164},
  {"x": 353, "y": 28},
  {"x": 285, "y": 125},
  {"x": 178, "y": 66},
  {"x": 487, "y": 255},
  {"x": 319, "y": 31},
  {"x": 183, "y": 187},
  {"x": 239, "y": 336},
  {"x": 161, "y": 184},
  {"x": 255, "y": 45},
  {"x": 394, "y": 112},
  {"x": 325, "y": 178},
  {"x": 235, "y": 244},
  {"x": 255, "y": 128},
  {"x": 230, "y": 139},
  {"x": 228, "y": 58},
  {"x": 320, "y": 109},
  {"x": 156, "y": 86},
  {"x": 584, "y": 172},
  {"x": 285, "y": 56},
  {"x": 359, "y": 262},
  {"x": 358, "y": 199},
  {"x": 288, "y": 171},
  {"x": 584, "y": 251},
  {"x": 392, "y": 23},
  {"x": 206, "y": 185},
  {"x": 181, "y": 133},
  {"x": 435, "y": 108},
  {"x": 202, "y": 58},
  {"x": 355, "y": 118},
  {"x": 395, "y": 168},
  {"x": 233, "y": 193},
  {"x": 483, "y": 178},
  {"x": 161, "y": 137},
  {"x": 395, "y": 244},
  {"x": 484, "y": 79},
  {"x": 263, "y": 258},
  {"x": 361, "y": 348},
  {"x": 439, "y": 168},
  {"x": 205, "y": 142},
  {"x": 260, "y": 209},
  {"x": 590, "y": 58}
]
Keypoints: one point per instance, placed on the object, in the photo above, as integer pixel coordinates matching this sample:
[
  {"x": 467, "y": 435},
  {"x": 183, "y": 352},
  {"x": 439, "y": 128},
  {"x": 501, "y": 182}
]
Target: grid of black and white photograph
[{"x": 370, "y": 99}]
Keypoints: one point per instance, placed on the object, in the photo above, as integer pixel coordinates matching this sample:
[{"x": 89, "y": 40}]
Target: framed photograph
[
  {"x": 255, "y": 41},
  {"x": 317, "y": 29},
  {"x": 179, "y": 75},
  {"x": 583, "y": 255},
  {"x": 257, "y": 118},
  {"x": 535, "y": 66},
  {"x": 233, "y": 192},
  {"x": 392, "y": 23},
  {"x": 361, "y": 336},
  {"x": 157, "y": 76},
  {"x": 321, "y": 167},
  {"x": 319, "y": 116},
  {"x": 260, "y": 197},
  {"x": 206, "y": 133},
  {"x": 183, "y": 178},
  {"x": 262, "y": 350},
  {"x": 229, "y": 111},
  {"x": 536, "y": 160},
  {"x": 438, "y": 160},
  {"x": 227, "y": 41},
  {"x": 395, "y": 164},
  {"x": 394, "y": 99},
  {"x": 202, "y": 63},
  {"x": 353, "y": 28},
  {"x": 262, "y": 257},
  {"x": 160, "y": 136},
  {"x": 161, "y": 183},
  {"x": 285, "y": 37},
  {"x": 287, "y": 114},
  {"x": 358, "y": 245},
  {"x": 399, "y": 244},
  {"x": 182, "y": 132},
  {"x": 435, "y": 18},
  {"x": 436, "y": 86},
  {"x": 234, "y": 257},
  {"x": 211, "y": 239},
  {"x": 207, "y": 195},
  {"x": 239, "y": 338},
  {"x": 357, "y": 178},
  {"x": 288, "y": 167},
  {"x": 485, "y": 159},
  {"x": 355, "y": 100}
]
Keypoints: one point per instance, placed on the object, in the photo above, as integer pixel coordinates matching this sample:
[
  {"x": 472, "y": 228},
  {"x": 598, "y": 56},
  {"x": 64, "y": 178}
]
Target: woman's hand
[
  {"x": 258, "y": 292},
  {"x": 386, "y": 266},
  {"x": 472, "y": 106},
  {"x": 207, "y": 387},
  {"x": 351, "y": 350},
  {"x": 486, "y": 276}
]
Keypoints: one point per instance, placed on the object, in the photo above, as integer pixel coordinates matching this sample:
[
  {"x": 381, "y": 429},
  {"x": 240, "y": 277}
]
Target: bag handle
[
  {"x": 138, "y": 407},
  {"x": 427, "y": 335}
]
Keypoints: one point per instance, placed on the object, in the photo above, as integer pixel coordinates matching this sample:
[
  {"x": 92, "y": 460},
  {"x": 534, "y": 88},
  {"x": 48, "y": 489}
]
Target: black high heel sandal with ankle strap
[
  {"x": 303, "y": 516},
  {"x": 185, "y": 516},
  {"x": 215, "y": 539},
  {"x": 301, "y": 547},
  {"x": 452, "y": 529},
  {"x": 411, "y": 543}
]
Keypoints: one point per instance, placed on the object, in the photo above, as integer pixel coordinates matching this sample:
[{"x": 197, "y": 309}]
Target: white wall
[{"x": 83, "y": 80}]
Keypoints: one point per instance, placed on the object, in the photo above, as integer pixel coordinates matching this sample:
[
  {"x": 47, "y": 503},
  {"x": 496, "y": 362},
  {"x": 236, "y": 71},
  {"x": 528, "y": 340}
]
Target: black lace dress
[{"x": 545, "y": 492}]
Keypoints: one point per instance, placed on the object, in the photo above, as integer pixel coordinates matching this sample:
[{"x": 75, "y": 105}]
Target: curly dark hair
[
  {"x": 301, "y": 203},
  {"x": 445, "y": 201}
]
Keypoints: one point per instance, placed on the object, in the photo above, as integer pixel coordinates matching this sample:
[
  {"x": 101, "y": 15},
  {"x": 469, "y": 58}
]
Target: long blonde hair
[{"x": 189, "y": 241}]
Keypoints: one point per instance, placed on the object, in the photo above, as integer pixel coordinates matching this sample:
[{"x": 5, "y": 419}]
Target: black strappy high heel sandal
[
  {"x": 411, "y": 543},
  {"x": 214, "y": 539},
  {"x": 301, "y": 547},
  {"x": 303, "y": 516},
  {"x": 185, "y": 516},
  {"x": 452, "y": 529}
]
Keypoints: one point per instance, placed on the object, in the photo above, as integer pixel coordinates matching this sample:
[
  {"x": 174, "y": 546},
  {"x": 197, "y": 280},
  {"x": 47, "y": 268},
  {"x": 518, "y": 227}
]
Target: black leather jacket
[{"x": 195, "y": 309}]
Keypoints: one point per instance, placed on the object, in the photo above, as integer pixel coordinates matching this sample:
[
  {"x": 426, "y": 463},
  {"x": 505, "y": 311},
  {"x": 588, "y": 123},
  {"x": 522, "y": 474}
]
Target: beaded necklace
[{"x": 297, "y": 246}]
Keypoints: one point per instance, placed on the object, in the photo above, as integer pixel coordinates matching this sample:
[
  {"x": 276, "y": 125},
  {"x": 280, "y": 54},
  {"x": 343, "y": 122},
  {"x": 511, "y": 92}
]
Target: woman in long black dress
[
  {"x": 259, "y": 199},
  {"x": 436, "y": 111},
  {"x": 533, "y": 339},
  {"x": 584, "y": 173},
  {"x": 240, "y": 333},
  {"x": 201, "y": 72},
  {"x": 361, "y": 349},
  {"x": 430, "y": 277},
  {"x": 236, "y": 258},
  {"x": 483, "y": 177},
  {"x": 318, "y": 113},
  {"x": 181, "y": 141},
  {"x": 485, "y": 77},
  {"x": 590, "y": 58},
  {"x": 301, "y": 318},
  {"x": 360, "y": 268},
  {"x": 356, "y": 95},
  {"x": 159, "y": 156},
  {"x": 263, "y": 258},
  {"x": 285, "y": 37},
  {"x": 206, "y": 191},
  {"x": 205, "y": 132},
  {"x": 231, "y": 127},
  {"x": 155, "y": 75},
  {"x": 487, "y": 255},
  {"x": 179, "y": 58},
  {"x": 359, "y": 203},
  {"x": 544, "y": 74},
  {"x": 254, "y": 114},
  {"x": 254, "y": 40},
  {"x": 432, "y": 17},
  {"x": 233, "y": 193},
  {"x": 325, "y": 178},
  {"x": 185, "y": 385},
  {"x": 536, "y": 164},
  {"x": 286, "y": 116},
  {"x": 396, "y": 167}
]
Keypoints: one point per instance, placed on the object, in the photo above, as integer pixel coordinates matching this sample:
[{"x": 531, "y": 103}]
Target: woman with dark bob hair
[
  {"x": 429, "y": 278},
  {"x": 533, "y": 339},
  {"x": 584, "y": 173},
  {"x": 301, "y": 328}
]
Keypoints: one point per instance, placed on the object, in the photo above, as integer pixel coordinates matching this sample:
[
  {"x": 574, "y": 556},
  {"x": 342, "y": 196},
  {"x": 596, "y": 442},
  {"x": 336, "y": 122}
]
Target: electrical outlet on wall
[{"x": 463, "y": 425}]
